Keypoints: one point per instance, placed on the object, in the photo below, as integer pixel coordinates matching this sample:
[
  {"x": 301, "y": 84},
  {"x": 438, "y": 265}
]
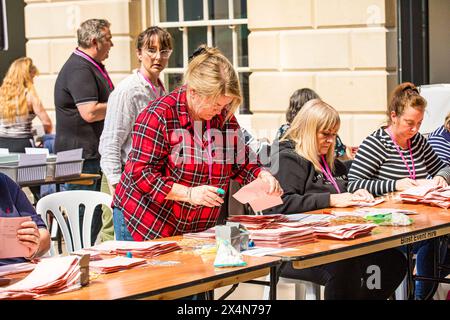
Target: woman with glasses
[
  {"x": 313, "y": 178},
  {"x": 130, "y": 97},
  {"x": 397, "y": 157},
  {"x": 185, "y": 148}
]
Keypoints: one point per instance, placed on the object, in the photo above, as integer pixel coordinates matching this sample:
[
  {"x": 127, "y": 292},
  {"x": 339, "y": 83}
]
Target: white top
[{"x": 125, "y": 103}]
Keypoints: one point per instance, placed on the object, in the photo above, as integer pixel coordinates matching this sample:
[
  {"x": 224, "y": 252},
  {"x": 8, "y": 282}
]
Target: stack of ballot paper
[
  {"x": 345, "y": 231},
  {"x": 115, "y": 264},
  {"x": 259, "y": 221},
  {"x": 144, "y": 249},
  {"x": 50, "y": 276},
  {"x": 10, "y": 247},
  {"x": 428, "y": 194},
  {"x": 16, "y": 268},
  {"x": 282, "y": 237},
  {"x": 255, "y": 193},
  {"x": 207, "y": 234}
]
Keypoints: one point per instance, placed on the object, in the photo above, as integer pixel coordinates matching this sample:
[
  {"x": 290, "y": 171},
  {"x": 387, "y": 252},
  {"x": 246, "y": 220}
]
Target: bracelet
[{"x": 189, "y": 194}]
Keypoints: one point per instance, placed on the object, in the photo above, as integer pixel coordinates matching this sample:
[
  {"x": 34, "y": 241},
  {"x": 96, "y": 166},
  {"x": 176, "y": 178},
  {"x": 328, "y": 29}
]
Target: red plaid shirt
[{"x": 162, "y": 139}]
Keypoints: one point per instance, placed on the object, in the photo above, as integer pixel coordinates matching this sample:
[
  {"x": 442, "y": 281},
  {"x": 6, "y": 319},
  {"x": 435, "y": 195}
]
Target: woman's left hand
[
  {"x": 362, "y": 195},
  {"x": 28, "y": 234},
  {"x": 274, "y": 188},
  {"x": 440, "y": 181}
]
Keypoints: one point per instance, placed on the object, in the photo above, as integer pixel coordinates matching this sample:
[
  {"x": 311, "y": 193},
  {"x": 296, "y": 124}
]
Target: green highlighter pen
[{"x": 220, "y": 191}]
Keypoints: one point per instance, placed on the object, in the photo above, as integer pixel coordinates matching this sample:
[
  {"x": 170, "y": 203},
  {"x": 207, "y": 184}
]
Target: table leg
[
  {"x": 273, "y": 283},
  {"x": 409, "y": 274}
]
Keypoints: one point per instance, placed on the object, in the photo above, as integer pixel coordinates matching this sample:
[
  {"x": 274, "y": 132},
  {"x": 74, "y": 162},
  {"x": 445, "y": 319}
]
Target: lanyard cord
[
  {"x": 152, "y": 86},
  {"x": 105, "y": 75},
  {"x": 412, "y": 173},
  {"x": 327, "y": 173}
]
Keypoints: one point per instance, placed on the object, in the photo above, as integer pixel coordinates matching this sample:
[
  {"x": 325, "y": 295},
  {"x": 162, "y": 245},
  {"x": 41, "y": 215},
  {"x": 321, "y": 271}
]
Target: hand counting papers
[
  {"x": 140, "y": 249},
  {"x": 115, "y": 264},
  {"x": 431, "y": 194},
  {"x": 282, "y": 237},
  {"x": 255, "y": 193},
  {"x": 345, "y": 231},
  {"x": 50, "y": 276}
]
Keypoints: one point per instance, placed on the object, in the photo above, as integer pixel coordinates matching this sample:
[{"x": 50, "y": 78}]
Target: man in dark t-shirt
[{"x": 81, "y": 92}]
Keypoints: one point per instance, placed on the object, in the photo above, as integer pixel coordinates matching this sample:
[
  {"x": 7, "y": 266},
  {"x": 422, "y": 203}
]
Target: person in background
[
  {"x": 19, "y": 105},
  {"x": 313, "y": 178},
  {"x": 439, "y": 140},
  {"x": 296, "y": 102},
  {"x": 174, "y": 173},
  {"x": 397, "y": 157},
  {"x": 33, "y": 234},
  {"x": 82, "y": 89},
  {"x": 153, "y": 49}
]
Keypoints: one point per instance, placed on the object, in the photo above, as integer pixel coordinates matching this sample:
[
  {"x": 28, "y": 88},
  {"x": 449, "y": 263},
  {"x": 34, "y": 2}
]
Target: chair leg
[
  {"x": 312, "y": 291},
  {"x": 300, "y": 292}
]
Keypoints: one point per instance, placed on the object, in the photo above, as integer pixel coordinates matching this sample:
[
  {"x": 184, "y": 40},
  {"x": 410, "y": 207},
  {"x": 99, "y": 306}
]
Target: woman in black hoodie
[{"x": 312, "y": 178}]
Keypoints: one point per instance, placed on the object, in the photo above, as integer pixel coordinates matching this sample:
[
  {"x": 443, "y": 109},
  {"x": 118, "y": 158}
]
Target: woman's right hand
[
  {"x": 342, "y": 200},
  {"x": 205, "y": 196},
  {"x": 406, "y": 183}
]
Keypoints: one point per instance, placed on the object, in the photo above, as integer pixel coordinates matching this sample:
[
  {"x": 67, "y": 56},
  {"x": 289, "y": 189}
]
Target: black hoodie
[{"x": 304, "y": 188}]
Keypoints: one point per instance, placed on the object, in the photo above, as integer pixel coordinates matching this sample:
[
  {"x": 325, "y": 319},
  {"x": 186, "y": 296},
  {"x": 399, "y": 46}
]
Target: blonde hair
[
  {"x": 17, "y": 82},
  {"x": 315, "y": 116},
  {"x": 212, "y": 75},
  {"x": 447, "y": 122}
]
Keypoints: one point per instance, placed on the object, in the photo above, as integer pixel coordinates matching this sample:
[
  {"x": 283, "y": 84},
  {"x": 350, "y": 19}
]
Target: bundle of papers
[
  {"x": 429, "y": 193},
  {"x": 16, "y": 268},
  {"x": 144, "y": 249},
  {"x": 50, "y": 276},
  {"x": 345, "y": 231},
  {"x": 259, "y": 221},
  {"x": 115, "y": 264},
  {"x": 207, "y": 234},
  {"x": 282, "y": 237}
]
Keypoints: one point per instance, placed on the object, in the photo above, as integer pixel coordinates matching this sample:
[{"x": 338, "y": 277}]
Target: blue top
[
  {"x": 439, "y": 140},
  {"x": 14, "y": 203}
]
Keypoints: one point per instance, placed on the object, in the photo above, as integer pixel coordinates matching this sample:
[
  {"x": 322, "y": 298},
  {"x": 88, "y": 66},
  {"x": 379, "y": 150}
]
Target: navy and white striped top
[
  {"x": 439, "y": 140},
  {"x": 378, "y": 165}
]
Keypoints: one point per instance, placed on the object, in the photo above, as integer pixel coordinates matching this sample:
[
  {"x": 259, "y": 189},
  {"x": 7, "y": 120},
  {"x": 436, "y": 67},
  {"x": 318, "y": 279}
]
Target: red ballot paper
[
  {"x": 255, "y": 193},
  {"x": 10, "y": 247}
]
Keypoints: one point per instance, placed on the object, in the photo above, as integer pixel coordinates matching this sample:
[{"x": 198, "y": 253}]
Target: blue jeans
[
  {"x": 425, "y": 265},
  {"x": 90, "y": 166},
  {"x": 120, "y": 228}
]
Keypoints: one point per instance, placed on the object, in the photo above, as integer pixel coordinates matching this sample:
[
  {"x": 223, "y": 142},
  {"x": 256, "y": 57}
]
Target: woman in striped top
[
  {"x": 398, "y": 157},
  {"x": 439, "y": 140}
]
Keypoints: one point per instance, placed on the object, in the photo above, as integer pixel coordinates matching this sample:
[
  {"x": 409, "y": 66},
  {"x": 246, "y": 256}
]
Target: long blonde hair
[
  {"x": 17, "y": 82},
  {"x": 212, "y": 75},
  {"x": 315, "y": 116}
]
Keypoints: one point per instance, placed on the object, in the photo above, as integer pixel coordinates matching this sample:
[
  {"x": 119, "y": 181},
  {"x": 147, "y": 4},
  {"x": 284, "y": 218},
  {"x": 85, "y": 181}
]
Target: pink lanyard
[
  {"x": 105, "y": 75},
  {"x": 412, "y": 174},
  {"x": 209, "y": 153},
  {"x": 327, "y": 173},
  {"x": 152, "y": 86}
]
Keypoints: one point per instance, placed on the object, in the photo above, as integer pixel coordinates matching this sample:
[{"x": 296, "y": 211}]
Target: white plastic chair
[{"x": 70, "y": 202}]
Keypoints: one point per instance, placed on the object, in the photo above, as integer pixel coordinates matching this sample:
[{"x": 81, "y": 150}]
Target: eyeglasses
[{"x": 152, "y": 52}]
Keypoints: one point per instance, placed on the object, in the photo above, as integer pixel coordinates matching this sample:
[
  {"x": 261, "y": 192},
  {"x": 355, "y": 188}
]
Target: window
[{"x": 218, "y": 23}]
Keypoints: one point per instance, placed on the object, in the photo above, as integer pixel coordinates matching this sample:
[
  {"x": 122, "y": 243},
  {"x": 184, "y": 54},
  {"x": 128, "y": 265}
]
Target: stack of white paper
[
  {"x": 50, "y": 276},
  {"x": 140, "y": 249},
  {"x": 282, "y": 237},
  {"x": 258, "y": 222},
  {"x": 115, "y": 264},
  {"x": 430, "y": 194},
  {"x": 345, "y": 231}
]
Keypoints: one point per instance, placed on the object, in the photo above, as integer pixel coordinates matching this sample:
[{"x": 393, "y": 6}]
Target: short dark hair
[
  {"x": 164, "y": 37},
  {"x": 298, "y": 100}
]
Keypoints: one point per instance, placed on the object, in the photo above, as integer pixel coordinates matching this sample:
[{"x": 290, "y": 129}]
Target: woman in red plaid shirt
[{"x": 186, "y": 147}]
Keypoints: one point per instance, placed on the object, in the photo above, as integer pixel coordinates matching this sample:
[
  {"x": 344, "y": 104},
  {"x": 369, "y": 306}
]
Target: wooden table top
[
  {"x": 84, "y": 179},
  {"x": 193, "y": 274},
  {"x": 430, "y": 222}
]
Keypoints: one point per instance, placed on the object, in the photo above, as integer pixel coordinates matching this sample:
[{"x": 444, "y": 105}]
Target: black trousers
[{"x": 355, "y": 278}]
